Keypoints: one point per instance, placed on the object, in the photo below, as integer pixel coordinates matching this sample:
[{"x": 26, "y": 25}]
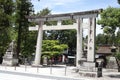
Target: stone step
[
  {"x": 84, "y": 68},
  {"x": 88, "y": 74}
]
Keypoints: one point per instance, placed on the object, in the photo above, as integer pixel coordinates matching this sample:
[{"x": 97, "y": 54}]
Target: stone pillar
[
  {"x": 91, "y": 40},
  {"x": 79, "y": 41},
  {"x": 39, "y": 45}
]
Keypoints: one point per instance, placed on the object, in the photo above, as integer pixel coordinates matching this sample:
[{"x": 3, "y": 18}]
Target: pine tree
[{"x": 23, "y": 8}]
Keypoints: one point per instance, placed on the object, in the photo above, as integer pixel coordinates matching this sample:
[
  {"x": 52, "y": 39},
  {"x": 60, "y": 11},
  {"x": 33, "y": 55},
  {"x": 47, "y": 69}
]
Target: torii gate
[{"x": 79, "y": 25}]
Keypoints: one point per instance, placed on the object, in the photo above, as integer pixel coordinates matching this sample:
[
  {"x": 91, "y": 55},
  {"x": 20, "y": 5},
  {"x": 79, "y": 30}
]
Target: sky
[{"x": 68, "y": 6}]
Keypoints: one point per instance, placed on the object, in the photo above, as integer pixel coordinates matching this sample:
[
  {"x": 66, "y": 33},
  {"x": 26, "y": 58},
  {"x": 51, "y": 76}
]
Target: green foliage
[
  {"x": 110, "y": 20},
  {"x": 64, "y": 36},
  {"x": 68, "y": 37},
  {"x": 100, "y": 39},
  {"x": 66, "y": 22},
  {"x": 23, "y": 8},
  {"x": 6, "y": 11},
  {"x": 52, "y": 47},
  {"x": 44, "y": 12},
  {"x": 28, "y": 47},
  {"x": 4, "y": 41},
  {"x": 110, "y": 17},
  {"x": 118, "y": 37},
  {"x": 117, "y": 55}
]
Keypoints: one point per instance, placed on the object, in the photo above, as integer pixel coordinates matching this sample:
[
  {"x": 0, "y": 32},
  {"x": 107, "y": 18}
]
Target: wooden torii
[{"x": 79, "y": 25}]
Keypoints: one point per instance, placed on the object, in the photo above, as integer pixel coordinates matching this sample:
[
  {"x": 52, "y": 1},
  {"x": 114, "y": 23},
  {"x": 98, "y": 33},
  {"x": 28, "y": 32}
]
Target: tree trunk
[
  {"x": 119, "y": 69},
  {"x": 118, "y": 64},
  {"x": 18, "y": 42}
]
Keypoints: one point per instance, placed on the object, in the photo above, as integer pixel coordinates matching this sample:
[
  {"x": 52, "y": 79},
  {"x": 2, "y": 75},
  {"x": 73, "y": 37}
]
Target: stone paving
[{"x": 59, "y": 72}]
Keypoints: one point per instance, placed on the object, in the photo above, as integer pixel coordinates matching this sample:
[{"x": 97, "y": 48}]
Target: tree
[
  {"x": 23, "y": 8},
  {"x": 68, "y": 37},
  {"x": 110, "y": 19},
  {"x": 44, "y": 12},
  {"x": 6, "y": 12},
  {"x": 118, "y": 38},
  {"x": 117, "y": 56},
  {"x": 64, "y": 36},
  {"x": 33, "y": 34},
  {"x": 52, "y": 48},
  {"x": 118, "y": 1},
  {"x": 101, "y": 39}
]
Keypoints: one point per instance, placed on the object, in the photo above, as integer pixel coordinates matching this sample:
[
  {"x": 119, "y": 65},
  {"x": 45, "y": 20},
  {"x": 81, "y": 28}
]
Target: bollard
[
  {"x": 50, "y": 67},
  {"x": 65, "y": 70},
  {"x": 15, "y": 67},
  {"x": 25, "y": 64},
  {"x": 25, "y": 67},
  {"x": 99, "y": 70},
  {"x": 37, "y": 69},
  {"x": 5, "y": 66}
]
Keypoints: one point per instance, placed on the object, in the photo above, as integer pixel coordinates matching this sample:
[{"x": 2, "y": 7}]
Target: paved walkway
[
  {"x": 6, "y": 76},
  {"x": 59, "y": 72},
  {"x": 33, "y": 73}
]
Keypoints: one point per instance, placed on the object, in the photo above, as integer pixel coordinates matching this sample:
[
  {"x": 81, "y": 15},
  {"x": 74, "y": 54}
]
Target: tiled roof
[{"x": 104, "y": 50}]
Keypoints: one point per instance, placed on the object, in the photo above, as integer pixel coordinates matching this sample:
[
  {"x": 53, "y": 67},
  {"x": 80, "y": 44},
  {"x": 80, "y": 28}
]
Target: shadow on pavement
[
  {"x": 114, "y": 76},
  {"x": 54, "y": 66}
]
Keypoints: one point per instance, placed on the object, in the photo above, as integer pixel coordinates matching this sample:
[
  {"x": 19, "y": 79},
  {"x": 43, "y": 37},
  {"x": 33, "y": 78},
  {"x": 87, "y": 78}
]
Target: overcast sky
[{"x": 66, "y": 6}]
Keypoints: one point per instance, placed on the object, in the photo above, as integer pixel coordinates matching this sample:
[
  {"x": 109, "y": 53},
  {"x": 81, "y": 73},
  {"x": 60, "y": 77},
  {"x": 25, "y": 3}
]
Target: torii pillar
[
  {"x": 91, "y": 40},
  {"x": 91, "y": 43},
  {"x": 39, "y": 45},
  {"x": 79, "y": 41}
]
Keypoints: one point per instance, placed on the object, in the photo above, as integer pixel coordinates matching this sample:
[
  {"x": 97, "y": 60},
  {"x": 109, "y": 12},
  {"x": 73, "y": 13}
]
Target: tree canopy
[
  {"x": 110, "y": 19},
  {"x": 53, "y": 47}
]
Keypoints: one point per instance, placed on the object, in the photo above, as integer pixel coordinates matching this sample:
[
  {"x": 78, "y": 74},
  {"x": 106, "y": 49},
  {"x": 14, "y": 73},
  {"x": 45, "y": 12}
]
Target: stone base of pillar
[{"x": 87, "y": 66}]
